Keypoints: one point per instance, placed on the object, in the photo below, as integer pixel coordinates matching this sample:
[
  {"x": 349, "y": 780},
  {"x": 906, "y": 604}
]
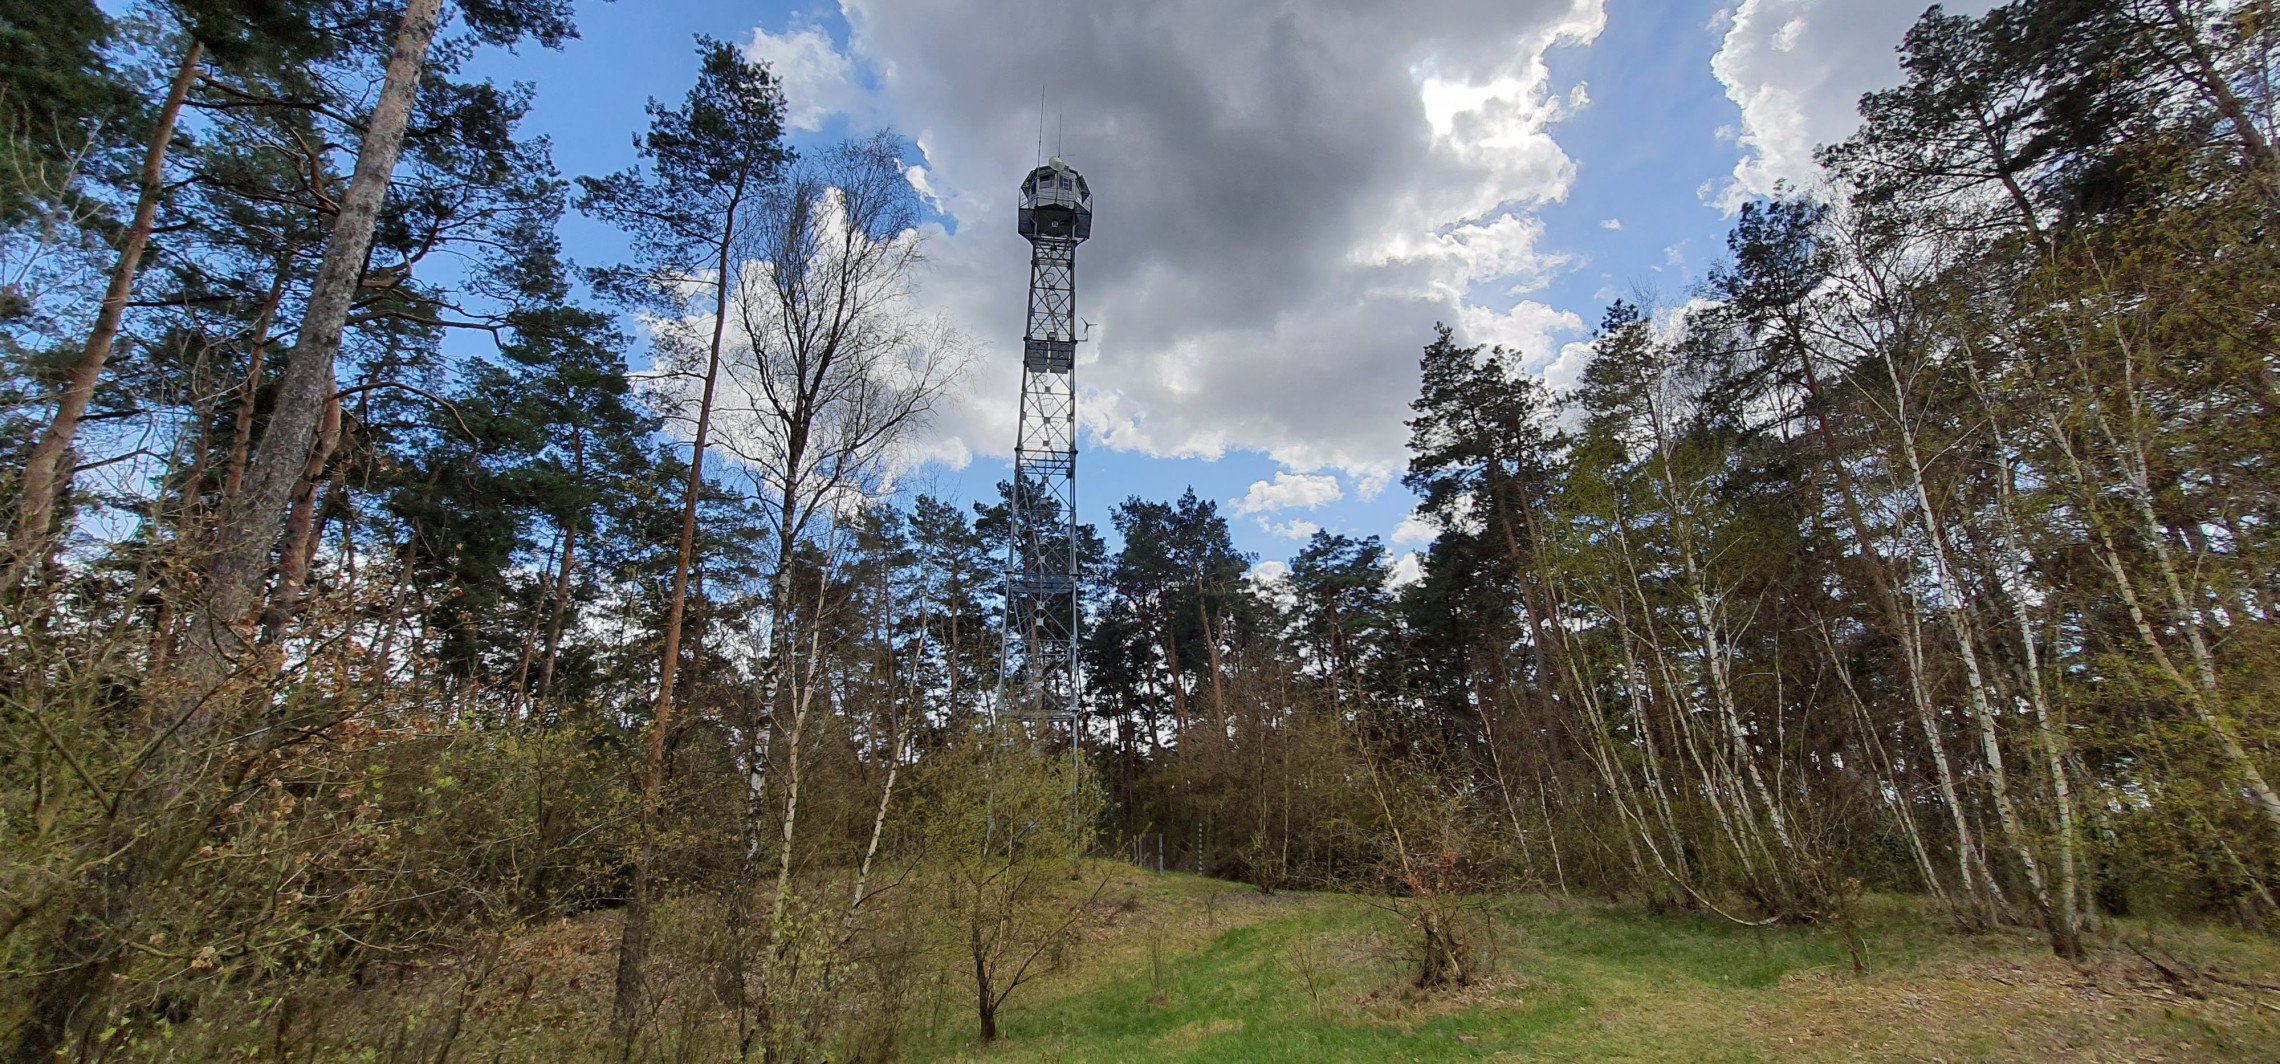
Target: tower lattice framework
[{"x": 1038, "y": 662}]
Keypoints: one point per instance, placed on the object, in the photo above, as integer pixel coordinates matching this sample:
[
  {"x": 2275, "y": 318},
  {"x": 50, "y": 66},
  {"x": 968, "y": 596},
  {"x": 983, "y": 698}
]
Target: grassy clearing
[
  {"x": 1182, "y": 969},
  {"x": 1185, "y": 969}
]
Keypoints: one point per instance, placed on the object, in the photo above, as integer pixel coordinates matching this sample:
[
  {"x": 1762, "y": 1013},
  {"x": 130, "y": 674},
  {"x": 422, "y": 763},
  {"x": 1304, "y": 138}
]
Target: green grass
[{"x": 1192, "y": 970}]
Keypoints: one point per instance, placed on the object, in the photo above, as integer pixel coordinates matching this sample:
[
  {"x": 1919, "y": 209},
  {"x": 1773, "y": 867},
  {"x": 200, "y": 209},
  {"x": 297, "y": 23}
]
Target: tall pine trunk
[
  {"x": 633, "y": 943},
  {"x": 46, "y": 471}
]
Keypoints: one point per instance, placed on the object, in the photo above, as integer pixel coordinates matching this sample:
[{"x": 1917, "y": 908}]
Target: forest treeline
[{"x": 364, "y": 612}]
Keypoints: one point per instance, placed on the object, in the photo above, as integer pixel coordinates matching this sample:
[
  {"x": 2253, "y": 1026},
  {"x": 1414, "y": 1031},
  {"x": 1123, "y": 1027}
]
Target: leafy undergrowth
[{"x": 1184, "y": 969}]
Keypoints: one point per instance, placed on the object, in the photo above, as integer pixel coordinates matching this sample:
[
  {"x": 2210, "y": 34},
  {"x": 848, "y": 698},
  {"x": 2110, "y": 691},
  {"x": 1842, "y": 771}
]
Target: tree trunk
[
  {"x": 560, "y": 608},
  {"x": 299, "y": 551},
  {"x": 1179, "y": 693},
  {"x": 2204, "y": 73},
  {"x": 633, "y": 944},
  {"x": 1970, "y": 860},
  {"x": 2200, "y": 695},
  {"x": 249, "y": 392},
  {"x": 985, "y": 1003},
  {"x": 2066, "y": 916},
  {"x": 247, "y": 531},
  {"x": 2138, "y": 478},
  {"x": 1951, "y": 594},
  {"x": 46, "y": 471},
  {"x": 1481, "y": 700},
  {"x": 1538, "y": 640},
  {"x": 1211, "y": 639},
  {"x": 561, "y": 602},
  {"x": 1888, "y": 778}
]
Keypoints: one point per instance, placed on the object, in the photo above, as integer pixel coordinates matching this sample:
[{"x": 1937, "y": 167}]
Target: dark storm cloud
[{"x": 1288, "y": 196}]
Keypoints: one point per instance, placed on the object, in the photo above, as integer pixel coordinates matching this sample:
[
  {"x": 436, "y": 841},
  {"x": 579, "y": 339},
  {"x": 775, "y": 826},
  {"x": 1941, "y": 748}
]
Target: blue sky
[{"x": 1288, "y": 195}]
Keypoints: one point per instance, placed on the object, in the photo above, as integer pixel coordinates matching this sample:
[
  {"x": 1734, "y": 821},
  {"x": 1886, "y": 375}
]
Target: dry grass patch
[{"x": 2025, "y": 1008}]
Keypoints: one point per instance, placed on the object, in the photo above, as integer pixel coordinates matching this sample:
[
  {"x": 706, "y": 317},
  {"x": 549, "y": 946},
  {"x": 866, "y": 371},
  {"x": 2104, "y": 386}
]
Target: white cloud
[
  {"x": 1612, "y": 225},
  {"x": 916, "y": 175},
  {"x": 1566, "y": 371},
  {"x": 1298, "y": 529},
  {"x": 1785, "y": 39},
  {"x": 1406, "y": 570},
  {"x": 818, "y": 80},
  {"x": 1414, "y": 531},
  {"x": 1288, "y": 196},
  {"x": 1527, "y": 328},
  {"x": 1288, "y": 491},
  {"x": 1272, "y": 579},
  {"x": 1797, "y": 69}
]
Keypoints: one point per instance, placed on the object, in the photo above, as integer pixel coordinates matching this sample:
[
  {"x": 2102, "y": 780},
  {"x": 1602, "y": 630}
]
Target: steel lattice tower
[{"x": 1037, "y": 675}]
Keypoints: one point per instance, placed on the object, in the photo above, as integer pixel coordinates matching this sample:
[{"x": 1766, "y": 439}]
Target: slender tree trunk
[
  {"x": 1538, "y": 644},
  {"x": 1657, "y": 781},
  {"x": 2137, "y": 477},
  {"x": 1716, "y": 656},
  {"x": 903, "y": 727},
  {"x": 2066, "y": 922},
  {"x": 1481, "y": 705},
  {"x": 633, "y": 942},
  {"x": 950, "y": 652},
  {"x": 1970, "y": 859},
  {"x": 174, "y": 576},
  {"x": 560, "y": 609},
  {"x": 803, "y": 698},
  {"x": 1718, "y": 786},
  {"x": 1211, "y": 639},
  {"x": 759, "y": 733},
  {"x": 2196, "y": 694},
  {"x": 1601, "y": 747},
  {"x": 985, "y": 1003},
  {"x": 1977, "y": 881},
  {"x": 1951, "y": 594},
  {"x": 46, "y": 471},
  {"x": 561, "y": 604},
  {"x": 1551, "y": 835},
  {"x": 1717, "y": 660},
  {"x": 1881, "y": 762},
  {"x": 1179, "y": 693},
  {"x": 530, "y": 643},
  {"x": 782, "y": 937}
]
